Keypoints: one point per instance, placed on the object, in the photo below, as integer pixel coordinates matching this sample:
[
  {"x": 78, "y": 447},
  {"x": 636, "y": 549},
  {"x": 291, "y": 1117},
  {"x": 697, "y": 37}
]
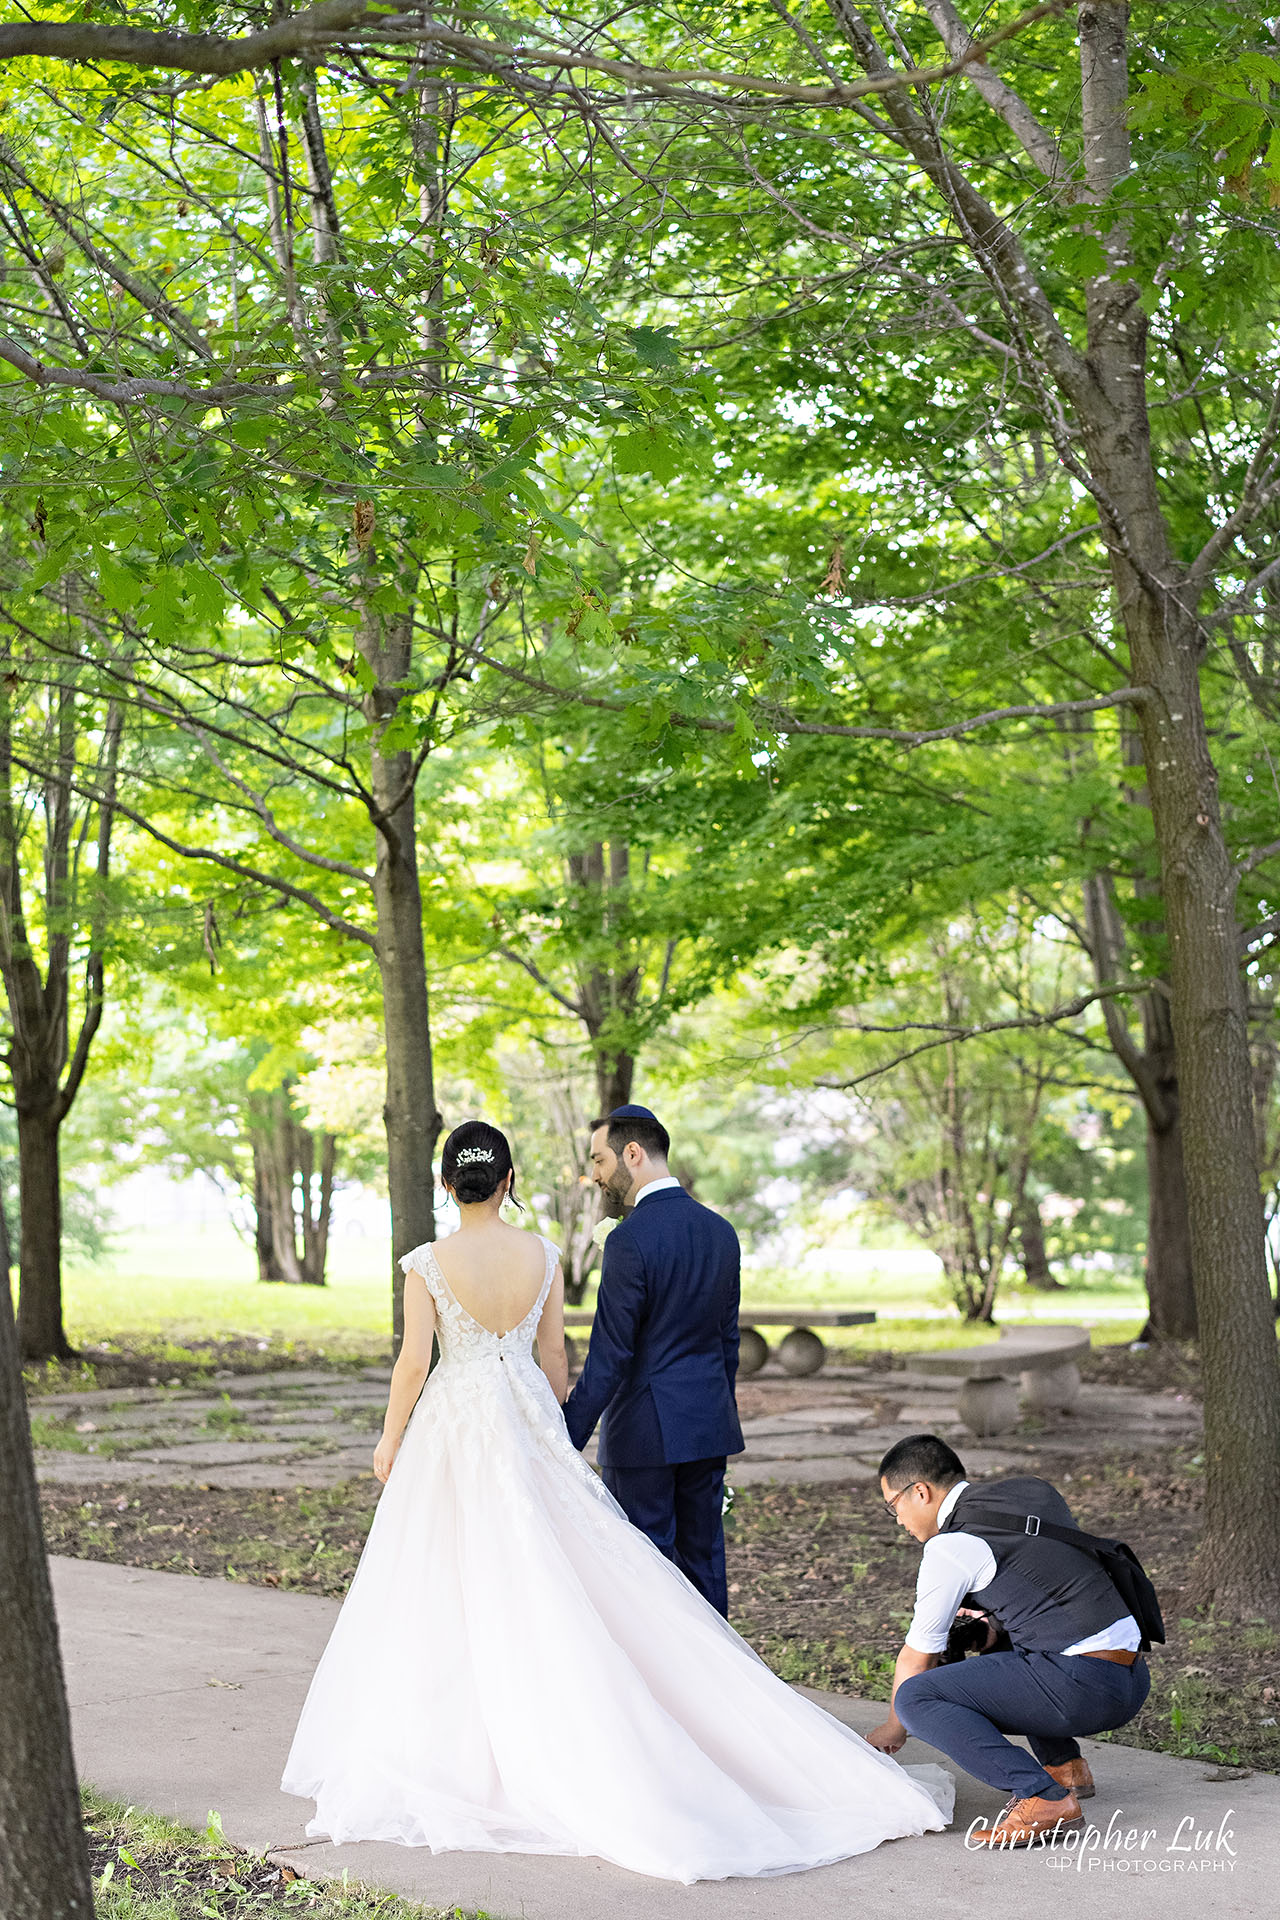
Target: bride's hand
[{"x": 384, "y": 1457}]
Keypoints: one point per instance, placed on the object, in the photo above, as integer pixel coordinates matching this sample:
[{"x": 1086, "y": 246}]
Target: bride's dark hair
[{"x": 475, "y": 1162}]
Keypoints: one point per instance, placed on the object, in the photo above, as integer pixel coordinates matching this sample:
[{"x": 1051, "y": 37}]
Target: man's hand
[{"x": 890, "y": 1737}]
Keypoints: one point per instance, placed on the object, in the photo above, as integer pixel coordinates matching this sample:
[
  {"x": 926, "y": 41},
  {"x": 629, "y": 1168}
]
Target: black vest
[{"x": 1045, "y": 1595}]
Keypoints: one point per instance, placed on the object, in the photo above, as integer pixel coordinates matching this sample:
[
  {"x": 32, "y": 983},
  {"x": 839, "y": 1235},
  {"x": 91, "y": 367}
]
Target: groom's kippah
[{"x": 632, "y": 1113}]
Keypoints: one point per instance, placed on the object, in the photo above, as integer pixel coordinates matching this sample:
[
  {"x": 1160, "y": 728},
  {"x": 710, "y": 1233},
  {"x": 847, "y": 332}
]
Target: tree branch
[
  {"x": 241, "y": 869},
  {"x": 948, "y": 1035},
  {"x": 1036, "y": 141},
  {"x": 535, "y": 973},
  {"x": 1251, "y": 935},
  {"x": 1256, "y": 858},
  {"x": 780, "y": 722},
  {"x": 336, "y": 21}
]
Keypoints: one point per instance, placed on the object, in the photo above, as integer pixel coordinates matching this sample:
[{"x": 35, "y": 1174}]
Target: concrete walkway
[{"x": 184, "y": 1695}]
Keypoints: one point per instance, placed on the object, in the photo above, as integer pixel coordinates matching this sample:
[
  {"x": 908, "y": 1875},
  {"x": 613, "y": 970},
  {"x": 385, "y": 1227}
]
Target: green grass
[
  {"x": 203, "y": 1286},
  {"x": 148, "y": 1868},
  {"x": 60, "y": 1436},
  {"x": 163, "y": 1294}
]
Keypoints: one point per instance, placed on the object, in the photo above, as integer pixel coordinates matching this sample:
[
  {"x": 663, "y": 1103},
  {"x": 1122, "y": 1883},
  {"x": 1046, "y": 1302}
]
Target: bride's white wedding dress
[{"x": 518, "y": 1669}]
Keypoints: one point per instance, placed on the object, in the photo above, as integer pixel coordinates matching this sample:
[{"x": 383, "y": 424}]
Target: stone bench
[
  {"x": 1043, "y": 1358},
  {"x": 800, "y": 1352}
]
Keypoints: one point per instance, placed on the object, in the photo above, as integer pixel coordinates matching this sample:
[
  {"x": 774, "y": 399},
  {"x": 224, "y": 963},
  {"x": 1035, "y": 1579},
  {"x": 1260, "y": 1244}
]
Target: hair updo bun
[{"x": 475, "y": 1162}]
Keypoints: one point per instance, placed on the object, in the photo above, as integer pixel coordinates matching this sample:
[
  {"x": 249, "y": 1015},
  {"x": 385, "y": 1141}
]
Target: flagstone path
[{"x": 314, "y": 1429}]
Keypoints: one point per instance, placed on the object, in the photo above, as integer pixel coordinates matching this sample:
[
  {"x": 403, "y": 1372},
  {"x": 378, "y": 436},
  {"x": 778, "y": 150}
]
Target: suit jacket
[{"x": 664, "y": 1347}]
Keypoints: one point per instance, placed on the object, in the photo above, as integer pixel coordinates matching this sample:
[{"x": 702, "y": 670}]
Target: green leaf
[
  {"x": 119, "y": 587},
  {"x": 656, "y": 347},
  {"x": 255, "y": 431},
  {"x": 647, "y": 452}
]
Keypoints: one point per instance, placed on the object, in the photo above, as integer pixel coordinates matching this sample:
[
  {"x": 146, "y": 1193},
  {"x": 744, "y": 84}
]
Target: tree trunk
[
  {"x": 41, "y": 1335},
  {"x": 1239, "y": 1560},
  {"x": 317, "y": 1208},
  {"x": 1171, "y": 1292},
  {"x": 413, "y": 1122},
  {"x": 614, "y": 1075},
  {"x": 1035, "y": 1255},
  {"x": 263, "y": 1224},
  {"x": 44, "y": 1862},
  {"x": 292, "y": 1203}
]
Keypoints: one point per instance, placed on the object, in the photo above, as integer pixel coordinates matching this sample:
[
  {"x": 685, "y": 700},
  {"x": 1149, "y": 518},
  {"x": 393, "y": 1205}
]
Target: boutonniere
[{"x": 601, "y": 1231}]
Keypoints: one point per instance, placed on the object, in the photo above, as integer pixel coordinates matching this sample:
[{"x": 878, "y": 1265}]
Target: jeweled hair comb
[{"x": 470, "y": 1155}]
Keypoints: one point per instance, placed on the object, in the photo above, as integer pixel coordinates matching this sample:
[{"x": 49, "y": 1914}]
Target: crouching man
[{"x": 1074, "y": 1665}]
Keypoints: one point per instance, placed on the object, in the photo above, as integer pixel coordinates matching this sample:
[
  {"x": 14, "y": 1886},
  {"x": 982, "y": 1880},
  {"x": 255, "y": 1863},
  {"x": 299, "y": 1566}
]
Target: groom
[{"x": 664, "y": 1351}]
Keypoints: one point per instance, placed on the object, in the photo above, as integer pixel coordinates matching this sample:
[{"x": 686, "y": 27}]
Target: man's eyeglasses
[{"x": 891, "y": 1506}]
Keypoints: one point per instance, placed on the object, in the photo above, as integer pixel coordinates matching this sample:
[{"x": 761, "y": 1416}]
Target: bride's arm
[
  {"x": 551, "y": 1354},
  {"x": 410, "y": 1370}
]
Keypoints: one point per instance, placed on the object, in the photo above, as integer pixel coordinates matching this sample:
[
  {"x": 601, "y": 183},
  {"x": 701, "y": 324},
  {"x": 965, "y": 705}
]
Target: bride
[{"x": 518, "y": 1669}]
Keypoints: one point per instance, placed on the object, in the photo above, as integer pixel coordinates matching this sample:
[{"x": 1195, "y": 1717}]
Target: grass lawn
[
  {"x": 146, "y": 1868},
  {"x": 166, "y": 1293}
]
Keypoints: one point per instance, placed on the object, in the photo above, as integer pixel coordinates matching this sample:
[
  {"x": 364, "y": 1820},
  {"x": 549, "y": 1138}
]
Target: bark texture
[
  {"x": 44, "y": 1862},
  {"x": 46, "y": 1069},
  {"x": 1152, "y": 1064},
  {"x": 412, "y": 1119},
  {"x": 293, "y": 1192},
  {"x": 1031, "y": 1245}
]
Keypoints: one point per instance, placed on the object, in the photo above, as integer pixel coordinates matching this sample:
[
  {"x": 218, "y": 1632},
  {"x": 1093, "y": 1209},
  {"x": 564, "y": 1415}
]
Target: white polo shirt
[{"x": 954, "y": 1564}]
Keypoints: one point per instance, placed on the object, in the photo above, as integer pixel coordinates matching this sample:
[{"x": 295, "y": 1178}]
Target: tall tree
[
  {"x": 54, "y": 921},
  {"x": 44, "y": 1861}
]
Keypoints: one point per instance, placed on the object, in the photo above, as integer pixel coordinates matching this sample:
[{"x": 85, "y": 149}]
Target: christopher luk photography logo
[{"x": 1195, "y": 1844}]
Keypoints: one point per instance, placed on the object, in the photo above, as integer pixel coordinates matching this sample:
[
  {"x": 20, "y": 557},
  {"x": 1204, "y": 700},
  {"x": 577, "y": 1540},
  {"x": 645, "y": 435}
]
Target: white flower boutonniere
[{"x": 601, "y": 1231}]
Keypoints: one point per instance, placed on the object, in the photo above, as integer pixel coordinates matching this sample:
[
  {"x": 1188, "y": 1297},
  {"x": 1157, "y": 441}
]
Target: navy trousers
[
  {"x": 965, "y": 1710},
  {"x": 681, "y": 1508}
]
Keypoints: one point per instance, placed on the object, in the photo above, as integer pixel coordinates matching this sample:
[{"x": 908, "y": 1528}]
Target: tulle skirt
[{"x": 517, "y": 1669}]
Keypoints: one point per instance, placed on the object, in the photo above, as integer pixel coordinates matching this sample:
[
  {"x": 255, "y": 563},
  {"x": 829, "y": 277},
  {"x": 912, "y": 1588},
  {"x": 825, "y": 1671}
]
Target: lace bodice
[{"x": 461, "y": 1336}]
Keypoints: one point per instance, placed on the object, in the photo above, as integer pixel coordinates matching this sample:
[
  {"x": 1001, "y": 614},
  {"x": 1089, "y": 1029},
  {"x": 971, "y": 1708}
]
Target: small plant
[{"x": 226, "y": 1414}]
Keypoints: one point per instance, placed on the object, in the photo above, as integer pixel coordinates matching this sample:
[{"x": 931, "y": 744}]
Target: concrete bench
[
  {"x": 1043, "y": 1358},
  {"x": 800, "y": 1352}
]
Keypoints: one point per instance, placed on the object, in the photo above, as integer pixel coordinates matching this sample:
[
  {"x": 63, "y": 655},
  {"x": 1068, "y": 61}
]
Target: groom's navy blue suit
[{"x": 660, "y": 1370}]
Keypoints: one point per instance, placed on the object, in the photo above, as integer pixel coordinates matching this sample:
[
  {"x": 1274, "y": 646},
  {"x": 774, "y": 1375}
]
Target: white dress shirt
[
  {"x": 954, "y": 1564},
  {"x": 654, "y": 1186}
]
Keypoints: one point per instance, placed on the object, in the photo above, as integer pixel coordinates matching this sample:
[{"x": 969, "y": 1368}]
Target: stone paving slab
[
  {"x": 79, "y": 1469},
  {"x": 185, "y": 1692},
  {"x": 748, "y": 1472},
  {"x": 215, "y": 1453},
  {"x": 109, "y": 1419},
  {"x": 301, "y": 1429},
  {"x": 798, "y": 1446}
]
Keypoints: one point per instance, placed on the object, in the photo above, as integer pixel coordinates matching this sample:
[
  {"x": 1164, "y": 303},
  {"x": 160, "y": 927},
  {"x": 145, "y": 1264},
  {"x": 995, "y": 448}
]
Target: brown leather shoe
[
  {"x": 1026, "y": 1823},
  {"x": 1075, "y": 1776}
]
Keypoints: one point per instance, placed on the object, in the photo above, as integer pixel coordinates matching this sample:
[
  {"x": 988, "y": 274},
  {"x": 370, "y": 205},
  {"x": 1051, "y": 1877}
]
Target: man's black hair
[
  {"x": 649, "y": 1135},
  {"x": 921, "y": 1456}
]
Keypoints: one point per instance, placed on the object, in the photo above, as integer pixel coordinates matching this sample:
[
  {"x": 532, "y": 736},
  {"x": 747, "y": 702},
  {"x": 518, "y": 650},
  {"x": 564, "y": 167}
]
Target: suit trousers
[
  {"x": 966, "y": 1709},
  {"x": 681, "y": 1508}
]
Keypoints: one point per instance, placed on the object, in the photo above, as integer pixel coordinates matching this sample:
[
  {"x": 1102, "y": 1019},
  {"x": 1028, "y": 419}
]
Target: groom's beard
[{"x": 614, "y": 1197}]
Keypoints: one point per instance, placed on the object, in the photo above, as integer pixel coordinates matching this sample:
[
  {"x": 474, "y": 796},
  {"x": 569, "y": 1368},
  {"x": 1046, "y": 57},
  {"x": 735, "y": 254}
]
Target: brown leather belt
[{"x": 1125, "y": 1658}]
